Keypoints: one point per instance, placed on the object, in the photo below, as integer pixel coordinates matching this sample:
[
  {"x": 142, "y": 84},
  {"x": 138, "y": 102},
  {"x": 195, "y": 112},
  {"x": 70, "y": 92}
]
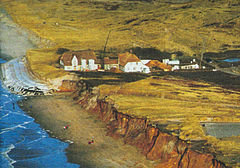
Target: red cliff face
[
  {"x": 68, "y": 86},
  {"x": 156, "y": 145}
]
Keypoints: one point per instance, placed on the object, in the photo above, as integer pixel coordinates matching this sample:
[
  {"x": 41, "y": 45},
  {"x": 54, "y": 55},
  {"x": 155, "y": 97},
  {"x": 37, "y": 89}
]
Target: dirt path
[{"x": 54, "y": 112}]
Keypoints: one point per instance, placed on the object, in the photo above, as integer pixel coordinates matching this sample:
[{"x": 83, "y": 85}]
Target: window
[{"x": 74, "y": 61}]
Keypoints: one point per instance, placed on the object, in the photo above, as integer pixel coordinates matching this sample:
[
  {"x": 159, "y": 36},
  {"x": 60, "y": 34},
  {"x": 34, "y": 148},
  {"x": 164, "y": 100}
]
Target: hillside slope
[{"x": 191, "y": 27}]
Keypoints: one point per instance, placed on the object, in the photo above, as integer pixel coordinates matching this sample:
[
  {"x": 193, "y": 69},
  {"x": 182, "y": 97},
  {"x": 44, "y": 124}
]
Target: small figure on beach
[
  {"x": 66, "y": 127},
  {"x": 91, "y": 141}
]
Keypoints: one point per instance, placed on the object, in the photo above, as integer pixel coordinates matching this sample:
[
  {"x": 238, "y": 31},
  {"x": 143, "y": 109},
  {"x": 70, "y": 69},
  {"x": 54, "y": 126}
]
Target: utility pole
[
  {"x": 203, "y": 50},
  {"x": 104, "y": 49}
]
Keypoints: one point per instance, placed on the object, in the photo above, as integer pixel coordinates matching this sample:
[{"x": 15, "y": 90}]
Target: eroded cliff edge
[{"x": 155, "y": 144}]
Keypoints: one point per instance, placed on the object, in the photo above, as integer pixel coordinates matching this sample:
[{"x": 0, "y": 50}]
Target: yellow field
[
  {"x": 173, "y": 100},
  {"x": 171, "y": 27},
  {"x": 43, "y": 63},
  {"x": 191, "y": 28}
]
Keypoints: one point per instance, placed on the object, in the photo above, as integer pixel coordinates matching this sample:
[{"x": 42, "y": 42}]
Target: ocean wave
[
  {"x": 14, "y": 127},
  {"x": 4, "y": 116},
  {"x": 6, "y": 161}
]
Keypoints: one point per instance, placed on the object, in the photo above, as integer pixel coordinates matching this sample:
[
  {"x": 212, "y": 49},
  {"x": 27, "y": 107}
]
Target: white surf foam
[{"x": 5, "y": 154}]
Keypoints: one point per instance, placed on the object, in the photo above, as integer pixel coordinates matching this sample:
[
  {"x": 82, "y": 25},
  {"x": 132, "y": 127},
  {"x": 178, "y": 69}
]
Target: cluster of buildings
[
  {"x": 125, "y": 62},
  {"x": 183, "y": 66}
]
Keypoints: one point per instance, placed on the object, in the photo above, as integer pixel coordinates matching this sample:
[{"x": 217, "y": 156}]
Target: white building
[
  {"x": 79, "y": 61},
  {"x": 171, "y": 62},
  {"x": 175, "y": 67},
  {"x": 190, "y": 66},
  {"x": 129, "y": 62},
  {"x": 136, "y": 67}
]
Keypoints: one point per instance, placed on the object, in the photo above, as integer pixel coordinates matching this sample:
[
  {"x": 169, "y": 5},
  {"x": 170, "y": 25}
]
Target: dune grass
[
  {"x": 43, "y": 63},
  {"x": 168, "y": 98},
  {"x": 182, "y": 105}
]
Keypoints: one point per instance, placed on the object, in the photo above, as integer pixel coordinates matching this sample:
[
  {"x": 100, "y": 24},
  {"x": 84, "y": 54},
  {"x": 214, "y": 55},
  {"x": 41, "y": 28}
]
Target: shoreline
[
  {"x": 15, "y": 41},
  {"x": 103, "y": 153},
  {"x": 54, "y": 112}
]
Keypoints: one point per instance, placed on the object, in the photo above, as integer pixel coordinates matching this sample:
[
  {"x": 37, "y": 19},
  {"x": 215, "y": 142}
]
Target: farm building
[
  {"x": 156, "y": 65},
  {"x": 173, "y": 63},
  {"x": 80, "y": 61},
  {"x": 129, "y": 62},
  {"x": 110, "y": 63}
]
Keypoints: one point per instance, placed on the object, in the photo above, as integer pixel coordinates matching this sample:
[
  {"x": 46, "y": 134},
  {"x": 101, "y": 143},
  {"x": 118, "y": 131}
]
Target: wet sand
[{"x": 54, "y": 112}]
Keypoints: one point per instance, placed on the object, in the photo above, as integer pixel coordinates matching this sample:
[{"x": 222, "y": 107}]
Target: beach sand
[{"x": 55, "y": 112}]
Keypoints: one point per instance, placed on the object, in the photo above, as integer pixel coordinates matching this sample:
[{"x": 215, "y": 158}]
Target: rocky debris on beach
[{"x": 18, "y": 79}]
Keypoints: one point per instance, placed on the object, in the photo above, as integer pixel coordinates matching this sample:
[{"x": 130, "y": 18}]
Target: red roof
[
  {"x": 108, "y": 60},
  {"x": 156, "y": 63},
  {"x": 86, "y": 54},
  {"x": 127, "y": 57}
]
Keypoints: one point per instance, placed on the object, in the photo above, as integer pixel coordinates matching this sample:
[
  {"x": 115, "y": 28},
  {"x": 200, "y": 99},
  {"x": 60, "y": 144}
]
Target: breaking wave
[{"x": 22, "y": 142}]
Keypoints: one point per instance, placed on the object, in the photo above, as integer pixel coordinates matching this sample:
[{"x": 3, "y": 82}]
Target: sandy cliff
[{"x": 154, "y": 143}]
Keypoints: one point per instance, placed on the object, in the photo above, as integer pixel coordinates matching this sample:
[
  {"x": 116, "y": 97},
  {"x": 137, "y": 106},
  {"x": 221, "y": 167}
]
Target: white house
[
  {"x": 136, "y": 67},
  {"x": 129, "y": 62},
  {"x": 190, "y": 66},
  {"x": 171, "y": 62},
  {"x": 79, "y": 61}
]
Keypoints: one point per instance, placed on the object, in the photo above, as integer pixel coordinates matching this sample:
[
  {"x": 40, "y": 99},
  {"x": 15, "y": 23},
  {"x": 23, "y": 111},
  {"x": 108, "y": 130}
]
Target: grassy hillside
[
  {"x": 166, "y": 26},
  {"x": 192, "y": 27}
]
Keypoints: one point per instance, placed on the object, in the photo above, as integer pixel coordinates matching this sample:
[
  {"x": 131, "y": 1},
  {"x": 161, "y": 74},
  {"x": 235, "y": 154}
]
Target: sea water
[
  {"x": 22, "y": 142},
  {"x": 232, "y": 60},
  {"x": 221, "y": 130}
]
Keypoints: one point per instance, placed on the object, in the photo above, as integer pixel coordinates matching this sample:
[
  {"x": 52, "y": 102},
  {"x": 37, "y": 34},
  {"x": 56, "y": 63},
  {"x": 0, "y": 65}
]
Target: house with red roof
[
  {"x": 129, "y": 62},
  {"x": 156, "y": 65},
  {"x": 110, "y": 63},
  {"x": 86, "y": 60}
]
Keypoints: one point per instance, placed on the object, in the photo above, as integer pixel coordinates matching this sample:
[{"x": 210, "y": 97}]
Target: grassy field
[
  {"x": 174, "y": 99},
  {"x": 44, "y": 63},
  {"x": 165, "y": 26},
  {"x": 182, "y": 105},
  {"x": 191, "y": 28}
]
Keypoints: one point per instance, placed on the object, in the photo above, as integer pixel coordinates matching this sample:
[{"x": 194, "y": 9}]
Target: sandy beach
[{"x": 55, "y": 112}]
